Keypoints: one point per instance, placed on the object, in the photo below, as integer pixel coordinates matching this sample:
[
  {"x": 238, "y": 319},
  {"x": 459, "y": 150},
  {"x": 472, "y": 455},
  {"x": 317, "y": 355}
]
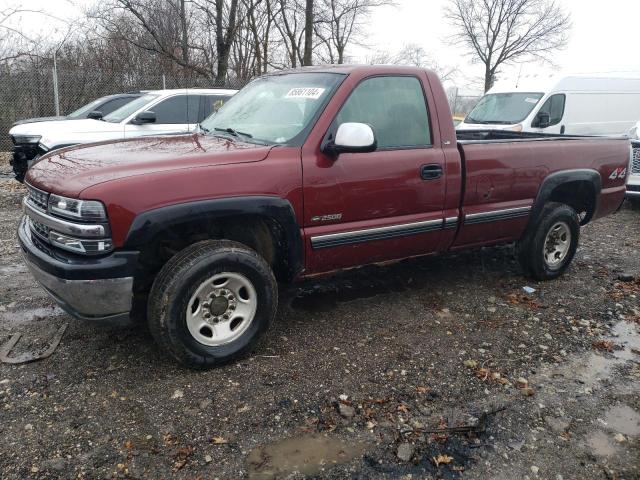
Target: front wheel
[
  {"x": 212, "y": 303},
  {"x": 548, "y": 247}
]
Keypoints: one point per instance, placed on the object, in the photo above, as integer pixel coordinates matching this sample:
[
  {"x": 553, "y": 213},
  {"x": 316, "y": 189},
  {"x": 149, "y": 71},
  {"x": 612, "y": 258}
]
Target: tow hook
[{"x": 30, "y": 357}]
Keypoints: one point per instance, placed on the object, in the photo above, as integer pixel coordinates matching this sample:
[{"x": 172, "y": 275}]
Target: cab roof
[{"x": 352, "y": 69}]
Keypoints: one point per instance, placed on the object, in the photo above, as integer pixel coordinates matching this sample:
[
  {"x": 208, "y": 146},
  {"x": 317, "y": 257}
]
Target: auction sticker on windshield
[
  {"x": 305, "y": 92},
  {"x": 531, "y": 100}
]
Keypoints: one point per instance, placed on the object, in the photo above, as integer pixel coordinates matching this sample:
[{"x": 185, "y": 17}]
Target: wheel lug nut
[
  {"x": 207, "y": 315},
  {"x": 226, "y": 316},
  {"x": 232, "y": 307}
]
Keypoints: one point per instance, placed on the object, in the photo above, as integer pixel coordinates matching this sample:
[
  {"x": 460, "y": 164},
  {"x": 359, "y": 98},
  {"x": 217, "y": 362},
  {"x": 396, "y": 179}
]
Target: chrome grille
[
  {"x": 635, "y": 161},
  {"x": 39, "y": 229},
  {"x": 37, "y": 198}
]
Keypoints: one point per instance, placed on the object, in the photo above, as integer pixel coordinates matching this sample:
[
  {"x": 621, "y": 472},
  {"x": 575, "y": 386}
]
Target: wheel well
[
  {"x": 579, "y": 195},
  {"x": 260, "y": 233}
]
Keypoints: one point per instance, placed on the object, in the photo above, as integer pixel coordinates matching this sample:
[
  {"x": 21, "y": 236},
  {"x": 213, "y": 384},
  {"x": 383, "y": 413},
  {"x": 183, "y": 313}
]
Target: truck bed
[
  {"x": 503, "y": 171},
  {"x": 467, "y": 136}
]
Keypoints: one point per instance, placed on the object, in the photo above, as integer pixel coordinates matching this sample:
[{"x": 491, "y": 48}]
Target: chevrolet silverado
[{"x": 302, "y": 173}]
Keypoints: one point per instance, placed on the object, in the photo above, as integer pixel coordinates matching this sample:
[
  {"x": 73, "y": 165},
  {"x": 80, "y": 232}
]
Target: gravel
[{"x": 430, "y": 368}]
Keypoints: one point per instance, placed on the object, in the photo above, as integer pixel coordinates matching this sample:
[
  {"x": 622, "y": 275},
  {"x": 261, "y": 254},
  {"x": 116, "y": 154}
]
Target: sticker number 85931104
[{"x": 618, "y": 173}]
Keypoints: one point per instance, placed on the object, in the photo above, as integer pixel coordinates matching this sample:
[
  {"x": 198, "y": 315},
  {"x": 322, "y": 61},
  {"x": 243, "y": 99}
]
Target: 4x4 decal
[{"x": 618, "y": 173}]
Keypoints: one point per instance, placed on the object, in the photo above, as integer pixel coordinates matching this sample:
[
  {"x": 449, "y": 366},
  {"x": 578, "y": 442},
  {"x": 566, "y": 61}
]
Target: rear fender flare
[{"x": 554, "y": 180}]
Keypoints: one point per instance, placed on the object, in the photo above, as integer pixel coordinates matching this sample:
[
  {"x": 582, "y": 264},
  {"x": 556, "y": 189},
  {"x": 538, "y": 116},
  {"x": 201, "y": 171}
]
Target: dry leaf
[
  {"x": 604, "y": 345},
  {"x": 218, "y": 441},
  {"x": 442, "y": 459}
]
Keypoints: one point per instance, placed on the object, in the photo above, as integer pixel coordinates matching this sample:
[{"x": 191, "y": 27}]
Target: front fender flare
[{"x": 146, "y": 226}]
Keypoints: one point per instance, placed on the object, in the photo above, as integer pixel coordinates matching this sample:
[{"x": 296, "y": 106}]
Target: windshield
[
  {"x": 274, "y": 109},
  {"x": 126, "y": 110},
  {"x": 89, "y": 107},
  {"x": 503, "y": 108}
]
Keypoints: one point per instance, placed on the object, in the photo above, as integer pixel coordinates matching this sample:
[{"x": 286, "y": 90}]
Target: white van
[{"x": 570, "y": 104}]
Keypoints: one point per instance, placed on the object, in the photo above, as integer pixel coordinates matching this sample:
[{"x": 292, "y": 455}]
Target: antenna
[{"x": 519, "y": 73}]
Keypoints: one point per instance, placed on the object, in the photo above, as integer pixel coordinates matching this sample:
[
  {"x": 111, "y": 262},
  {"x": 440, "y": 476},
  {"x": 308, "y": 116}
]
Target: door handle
[{"x": 430, "y": 171}]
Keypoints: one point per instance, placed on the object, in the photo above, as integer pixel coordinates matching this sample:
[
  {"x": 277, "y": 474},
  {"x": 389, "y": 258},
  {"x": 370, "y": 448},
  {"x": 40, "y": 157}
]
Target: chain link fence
[{"x": 32, "y": 93}]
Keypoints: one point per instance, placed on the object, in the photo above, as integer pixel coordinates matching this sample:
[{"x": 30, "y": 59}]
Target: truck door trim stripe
[
  {"x": 372, "y": 234},
  {"x": 450, "y": 222},
  {"x": 495, "y": 215}
]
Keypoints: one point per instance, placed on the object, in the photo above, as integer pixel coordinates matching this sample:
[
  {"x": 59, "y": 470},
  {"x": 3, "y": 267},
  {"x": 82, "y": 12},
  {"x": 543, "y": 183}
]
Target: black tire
[
  {"x": 19, "y": 170},
  {"x": 177, "y": 282},
  {"x": 531, "y": 247}
]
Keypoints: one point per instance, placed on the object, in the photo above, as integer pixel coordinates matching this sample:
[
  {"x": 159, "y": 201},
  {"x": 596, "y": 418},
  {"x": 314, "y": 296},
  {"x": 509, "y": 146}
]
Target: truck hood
[{"x": 69, "y": 171}]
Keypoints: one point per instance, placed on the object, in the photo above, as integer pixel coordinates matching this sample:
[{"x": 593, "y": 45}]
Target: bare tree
[
  {"x": 340, "y": 23},
  {"x": 497, "y": 32},
  {"x": 222, "y": 18},
  {"x": 415, "y": 56},
  {"x": 160, "y": 27}
]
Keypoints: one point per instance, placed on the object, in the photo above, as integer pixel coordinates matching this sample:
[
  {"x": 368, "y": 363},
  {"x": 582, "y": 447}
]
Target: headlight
[
  {"x": 88, "y": 210},
  {"x": 21, "y": 139},
  {"x": 77, "y": 245}
]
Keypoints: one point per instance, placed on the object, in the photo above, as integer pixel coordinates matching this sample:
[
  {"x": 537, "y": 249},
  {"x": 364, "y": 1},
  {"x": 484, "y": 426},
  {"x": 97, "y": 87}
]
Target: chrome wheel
[
  {"x": 557, "y": 244},
  {"x": 221, "y": 309}
]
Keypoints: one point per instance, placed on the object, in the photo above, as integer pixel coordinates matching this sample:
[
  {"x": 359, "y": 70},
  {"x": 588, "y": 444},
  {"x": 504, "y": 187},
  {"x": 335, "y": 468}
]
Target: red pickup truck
[{"x": 302, "y": 173}]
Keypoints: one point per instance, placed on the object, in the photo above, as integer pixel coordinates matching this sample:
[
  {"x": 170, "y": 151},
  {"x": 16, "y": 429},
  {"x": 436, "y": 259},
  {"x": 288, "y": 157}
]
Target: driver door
[{"x": 362, "y": 208}]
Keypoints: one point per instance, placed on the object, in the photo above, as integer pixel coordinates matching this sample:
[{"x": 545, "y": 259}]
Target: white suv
[
  {"x": 157, "y": 112},
  {"x": 633, "y": 183}
]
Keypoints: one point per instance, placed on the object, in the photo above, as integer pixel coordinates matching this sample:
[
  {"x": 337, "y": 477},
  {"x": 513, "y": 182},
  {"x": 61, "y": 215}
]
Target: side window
[
  {"x": 113, "y": 105},
  {"x": 211, "y": 103},
  {"x": 178, "y": 109},
  {"x": 554, "y": 106},
  {"x": 394, "y": 106}
]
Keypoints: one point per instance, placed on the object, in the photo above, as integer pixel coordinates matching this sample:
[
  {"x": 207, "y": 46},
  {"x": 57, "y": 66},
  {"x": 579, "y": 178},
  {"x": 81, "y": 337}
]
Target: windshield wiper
[
  {"x": 233, "y": 132},
  {"x": 202, "y": 129}
]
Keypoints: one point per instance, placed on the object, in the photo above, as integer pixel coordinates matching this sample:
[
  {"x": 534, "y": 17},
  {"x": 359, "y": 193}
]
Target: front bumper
[{"x": 86, "y": 288}]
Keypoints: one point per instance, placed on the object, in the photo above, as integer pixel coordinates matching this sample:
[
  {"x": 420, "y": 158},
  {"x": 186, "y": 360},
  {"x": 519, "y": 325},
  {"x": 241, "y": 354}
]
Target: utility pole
[{"x": 56, "y": 97}]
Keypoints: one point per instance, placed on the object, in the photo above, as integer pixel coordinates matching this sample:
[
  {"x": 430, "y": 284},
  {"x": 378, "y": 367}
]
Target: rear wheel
[
  {"x": 548, "y": 247},
  {"x": 212, "y": 303}
]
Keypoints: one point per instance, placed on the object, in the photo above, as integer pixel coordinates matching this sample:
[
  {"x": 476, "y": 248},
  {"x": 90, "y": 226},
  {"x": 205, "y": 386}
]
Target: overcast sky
[{"x": 605, "y": 36}]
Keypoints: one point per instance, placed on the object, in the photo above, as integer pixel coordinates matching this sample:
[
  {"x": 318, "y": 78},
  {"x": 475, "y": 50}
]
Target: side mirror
[
  {"x": 144, "y": 117},
  {"x": 95, "y": 115},
  {"x": 352, "y": 137},
  {"x": 543, "y": 120}
]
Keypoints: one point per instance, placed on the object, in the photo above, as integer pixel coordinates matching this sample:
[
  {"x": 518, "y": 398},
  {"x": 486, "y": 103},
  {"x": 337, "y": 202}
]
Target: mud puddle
[
  {"x": 21, "y": 317},
  {"x": 308, "y": 455},
  {"x": 599, "y": 367},
  {"x": 623, "y": 419},
  {"x": 601, "y": 444}
]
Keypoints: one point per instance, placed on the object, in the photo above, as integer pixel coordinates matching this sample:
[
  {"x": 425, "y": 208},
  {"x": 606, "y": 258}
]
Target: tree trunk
[
  {"x": 224, "y": 40},
  {"x": 488, "y": 77},
  {"x": 308, "y": 34},
  {"x": 183, "y": 26}
]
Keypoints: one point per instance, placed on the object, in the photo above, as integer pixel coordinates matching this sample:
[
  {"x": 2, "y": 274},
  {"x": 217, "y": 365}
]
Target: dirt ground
[{"x": 431, "y": 368}]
